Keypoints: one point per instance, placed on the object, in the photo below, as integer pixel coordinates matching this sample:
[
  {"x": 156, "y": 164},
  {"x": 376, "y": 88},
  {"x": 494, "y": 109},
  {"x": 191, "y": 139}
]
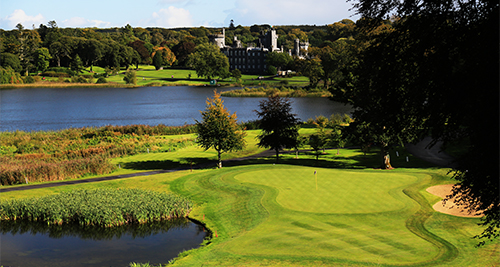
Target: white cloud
[
  {"x": 172, "y": 17},
  {"x": 83, "y": 22},
  {"x": 19, "y": 16},
  {"x": 169, "y": 2},
  {"x": 289, "y": 12}
]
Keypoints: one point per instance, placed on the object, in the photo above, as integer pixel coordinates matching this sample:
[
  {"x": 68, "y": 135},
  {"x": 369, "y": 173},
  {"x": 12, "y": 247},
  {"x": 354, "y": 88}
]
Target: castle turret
[{"x": 218, "y": 39}]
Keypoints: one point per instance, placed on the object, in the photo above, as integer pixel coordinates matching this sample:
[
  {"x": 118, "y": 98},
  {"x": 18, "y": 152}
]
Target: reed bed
[
  {"x": 281, "y": 91},
  {"x": 104, "y": 207},
  {"x": 74, "y": 153}
]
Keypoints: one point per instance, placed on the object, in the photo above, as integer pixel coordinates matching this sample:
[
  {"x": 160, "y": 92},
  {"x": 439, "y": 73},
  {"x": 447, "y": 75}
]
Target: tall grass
[
  {"x": 73, "y": 153},
  {"x": 99, "y": 207},
  {"x": 282, "y": 91}
]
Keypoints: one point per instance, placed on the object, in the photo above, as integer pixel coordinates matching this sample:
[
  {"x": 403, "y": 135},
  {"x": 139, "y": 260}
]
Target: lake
[
  {"x": 35, "y": 109},
  {"x": 38, "y": 244}
]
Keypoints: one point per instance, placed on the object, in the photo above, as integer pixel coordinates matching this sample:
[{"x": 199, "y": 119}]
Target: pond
[
  {"x": 37, "y": 244},
  {"x": 34, "y": 109}
]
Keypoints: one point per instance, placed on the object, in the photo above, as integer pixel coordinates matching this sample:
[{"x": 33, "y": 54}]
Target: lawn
[
  {"x": 147, "y": 75},
  {"x": 274, "y": 215},
  {"x": 347, "y": 214}
]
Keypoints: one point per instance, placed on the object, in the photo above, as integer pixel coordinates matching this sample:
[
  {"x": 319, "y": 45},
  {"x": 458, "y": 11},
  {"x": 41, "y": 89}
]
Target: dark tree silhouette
[
  {"x": 436, "y": 72},
  {"x": 278, "y": 124}
]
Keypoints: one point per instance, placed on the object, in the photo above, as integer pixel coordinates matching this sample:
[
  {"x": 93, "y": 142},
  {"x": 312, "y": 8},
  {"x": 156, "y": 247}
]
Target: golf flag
[{"x": 316, "y": 178}]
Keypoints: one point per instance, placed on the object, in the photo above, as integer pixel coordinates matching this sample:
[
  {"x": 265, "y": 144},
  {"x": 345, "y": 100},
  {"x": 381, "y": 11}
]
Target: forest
[{"x": 62, "y": 52}]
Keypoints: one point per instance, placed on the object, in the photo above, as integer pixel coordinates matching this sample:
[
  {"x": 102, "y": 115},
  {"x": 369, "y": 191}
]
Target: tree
[
  {"x": 436, "y": 72},
  {"x": 10, "y": 60},
  {"x": 42, "y": 59},
  {"x": 140, "y": 47},
  {"x": 91, "y": 52},
  {"x": 158, "y": 60},
  {"x": 209, "y": 61},
  {"x": 236, "y": 74},
  {"x": 278, "y": 124},
  {"x": 279, "y": 60},
  {"x": 317, "y": 143},
  {"x": 314, "y": 71},
  {"x": 182, "y": 50},
  {"x": 130, "y": 77},
  {"x": 219, "y": 129},
  {"x": 76, "y": 64},
  {"x": 336, "y": 138}
]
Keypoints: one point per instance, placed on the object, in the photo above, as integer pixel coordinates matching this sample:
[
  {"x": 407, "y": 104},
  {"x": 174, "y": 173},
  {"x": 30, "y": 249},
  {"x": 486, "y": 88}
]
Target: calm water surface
[
  {"x": 60, "y": 108},
  {"x": 41, "y": 245}
]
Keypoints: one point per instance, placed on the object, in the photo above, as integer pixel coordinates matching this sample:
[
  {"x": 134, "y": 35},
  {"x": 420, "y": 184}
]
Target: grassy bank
[{"x": 148, "y": 76}]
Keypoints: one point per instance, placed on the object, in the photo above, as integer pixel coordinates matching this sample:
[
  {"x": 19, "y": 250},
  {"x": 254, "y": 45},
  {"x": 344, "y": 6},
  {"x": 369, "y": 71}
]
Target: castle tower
[
  {"x": 296, "y": 47},
  {"x": 218, "y": 39}
]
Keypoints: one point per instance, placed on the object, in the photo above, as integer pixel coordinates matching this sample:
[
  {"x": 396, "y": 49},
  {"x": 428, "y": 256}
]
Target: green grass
[
  {"x": 273, "y": 215},
  {"x": 105, "y": 207}
]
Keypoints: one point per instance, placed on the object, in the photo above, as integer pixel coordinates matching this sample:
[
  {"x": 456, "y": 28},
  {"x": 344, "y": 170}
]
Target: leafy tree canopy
[
  {"x": 436, "y": 71},
  {"x": 278, "y": 124},
  {"x": 209, "y": 61},
  {"x": 219, "y": 129}
]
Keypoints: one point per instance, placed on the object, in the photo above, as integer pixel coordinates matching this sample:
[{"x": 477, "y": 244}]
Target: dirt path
[{"x": 433, "y": 155}]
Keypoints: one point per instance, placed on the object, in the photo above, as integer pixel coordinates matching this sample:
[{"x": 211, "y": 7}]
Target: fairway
[{"x": 274, "y": 215}]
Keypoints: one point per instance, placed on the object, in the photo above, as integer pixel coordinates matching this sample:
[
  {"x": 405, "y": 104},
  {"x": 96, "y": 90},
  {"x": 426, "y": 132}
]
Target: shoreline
[{"x": 239, "y": 92}]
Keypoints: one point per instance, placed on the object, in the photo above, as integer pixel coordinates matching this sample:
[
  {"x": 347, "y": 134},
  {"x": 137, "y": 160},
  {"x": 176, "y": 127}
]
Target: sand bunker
[{"x": 448, "y": 207}]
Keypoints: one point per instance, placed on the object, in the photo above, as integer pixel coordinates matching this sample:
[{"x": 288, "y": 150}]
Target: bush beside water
[
  {"x": 98, "y": 207},
  {"x": 74, "y": 153}
]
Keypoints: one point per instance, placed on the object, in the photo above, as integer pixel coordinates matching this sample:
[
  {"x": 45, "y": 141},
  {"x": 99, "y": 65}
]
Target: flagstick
[{"x": 316, "y": 178}]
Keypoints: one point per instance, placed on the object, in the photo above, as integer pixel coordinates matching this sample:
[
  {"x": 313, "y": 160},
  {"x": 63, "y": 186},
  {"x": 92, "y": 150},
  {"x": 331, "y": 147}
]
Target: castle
[{"x": 252, "y": 59}]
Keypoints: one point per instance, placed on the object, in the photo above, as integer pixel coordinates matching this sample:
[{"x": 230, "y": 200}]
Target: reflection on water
[
  {"x": 34, "y": 109},
  {"x": 26, "y": 243}
]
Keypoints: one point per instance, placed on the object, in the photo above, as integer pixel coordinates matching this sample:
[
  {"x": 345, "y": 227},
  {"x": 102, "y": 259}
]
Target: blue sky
[{"x": 171, "y": 13}]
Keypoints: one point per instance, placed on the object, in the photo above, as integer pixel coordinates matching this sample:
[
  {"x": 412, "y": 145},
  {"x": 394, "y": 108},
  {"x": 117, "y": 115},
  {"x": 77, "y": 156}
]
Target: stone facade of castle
[{"x": 252, "y": 59}]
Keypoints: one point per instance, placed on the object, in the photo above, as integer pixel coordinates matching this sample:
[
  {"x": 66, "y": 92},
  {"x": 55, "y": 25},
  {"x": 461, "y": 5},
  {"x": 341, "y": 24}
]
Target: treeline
[{"x": 47, "y": 47}]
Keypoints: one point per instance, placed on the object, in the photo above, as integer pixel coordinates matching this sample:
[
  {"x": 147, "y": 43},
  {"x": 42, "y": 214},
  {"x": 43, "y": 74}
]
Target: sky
[{"x": 171, "y": 13}]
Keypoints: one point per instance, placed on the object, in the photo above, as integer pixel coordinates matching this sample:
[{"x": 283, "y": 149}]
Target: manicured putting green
[{"x": 332, "y": 190}]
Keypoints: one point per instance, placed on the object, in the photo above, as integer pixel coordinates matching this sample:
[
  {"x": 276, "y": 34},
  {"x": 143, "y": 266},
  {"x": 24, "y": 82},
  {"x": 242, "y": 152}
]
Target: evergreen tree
[{"x": 278, "y": 124}]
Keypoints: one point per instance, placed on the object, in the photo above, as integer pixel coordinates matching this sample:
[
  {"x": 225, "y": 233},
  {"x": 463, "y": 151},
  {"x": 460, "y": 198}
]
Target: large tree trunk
[
  {"x": 277, "y": 155},
  {"x": 386, "y": 159}
]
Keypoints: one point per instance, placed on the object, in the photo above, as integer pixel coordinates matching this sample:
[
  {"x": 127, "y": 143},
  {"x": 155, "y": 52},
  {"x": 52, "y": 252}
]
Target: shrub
[
  {"x": 271, "y": 70},
  {"x": 78, "y": 79},
  {"x": 68, "y": 71},
  {"x": 130, "y": 77},
  {"x": 101, "y": 80},
  {"x": 8, "y": 75},
  {"x": 28, "y": 79}
]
